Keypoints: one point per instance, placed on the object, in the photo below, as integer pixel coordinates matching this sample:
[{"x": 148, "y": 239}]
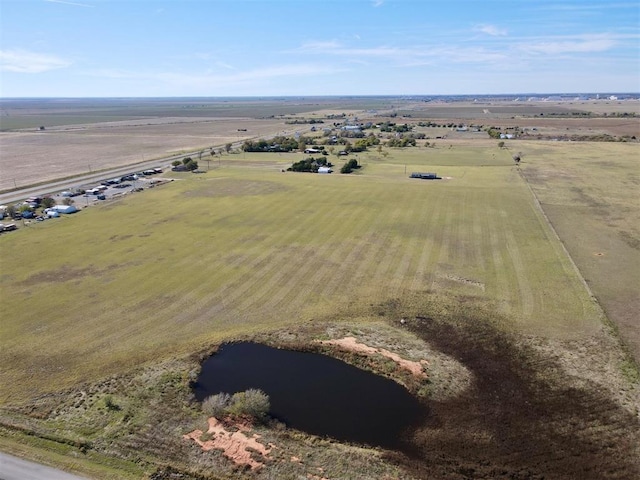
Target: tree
[
  {"x": 500, "y": 144},
  {"x": 47, "y": 202},
  {"x": 68, "y": 201},
  {"x": 228, "y": 147},
  {"x": 191, "y": 165},
  {"x": 11, "y": 211},
  {"x": 350, "y": 166},
  {"x": 517, "y": 157},
  {"x": 24, "y": 208},
  {"x": 175, "y": 163}
]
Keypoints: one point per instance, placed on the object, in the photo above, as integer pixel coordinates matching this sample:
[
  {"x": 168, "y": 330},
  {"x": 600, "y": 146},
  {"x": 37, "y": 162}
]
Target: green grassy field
[{"x": 246, "y": 248}]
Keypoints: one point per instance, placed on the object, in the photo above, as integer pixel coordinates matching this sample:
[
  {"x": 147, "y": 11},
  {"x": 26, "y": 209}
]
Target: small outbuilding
[
  {"x": 324, "y": 170},
  {"x": 63, "y": 209},
  {"x": 424, "y": 176}
]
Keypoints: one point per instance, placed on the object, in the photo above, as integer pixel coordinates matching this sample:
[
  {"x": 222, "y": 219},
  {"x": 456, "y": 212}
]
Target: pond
[{"x": 315, "y": 393}]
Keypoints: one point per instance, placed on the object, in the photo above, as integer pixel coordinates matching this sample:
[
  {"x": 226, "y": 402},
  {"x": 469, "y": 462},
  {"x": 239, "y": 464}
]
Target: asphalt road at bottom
[{"x": 13, "y": 468}]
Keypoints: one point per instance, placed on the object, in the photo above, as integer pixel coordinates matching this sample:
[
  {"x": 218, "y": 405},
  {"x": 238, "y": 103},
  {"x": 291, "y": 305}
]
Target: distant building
[
  {"x": 424, "y": 176},
  {"x": 324, "y": 170}
]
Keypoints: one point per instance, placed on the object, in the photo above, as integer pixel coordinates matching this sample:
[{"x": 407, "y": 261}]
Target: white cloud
[
  {"x": 69, "y": 3},
  {"x": 22, "y": 61},
  {"x": 589, "y": 44},
  {"x": 319, "y": 46},
  {"x": 112, "y": 73},
  {"x": 377, "y": 3},
  {"x": 335, "y": 48},
  {"x": 219, "y": 78},
  {"x": 224, "y": 65},
  {"x": 491, "y": 30}
]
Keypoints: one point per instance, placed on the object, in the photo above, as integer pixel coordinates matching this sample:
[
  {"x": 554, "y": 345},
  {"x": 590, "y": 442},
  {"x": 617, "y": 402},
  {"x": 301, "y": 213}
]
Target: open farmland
[
  {"x": 82, "y": 136},
  {"x": 245, "y": 250},
  {"x": 29, "y": 157},
  {"x": 107, "y": 313}
]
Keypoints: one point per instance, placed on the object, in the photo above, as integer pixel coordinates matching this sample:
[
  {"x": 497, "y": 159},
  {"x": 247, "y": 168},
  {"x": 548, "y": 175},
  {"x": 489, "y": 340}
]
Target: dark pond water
[{"x": 315, "y": 393}]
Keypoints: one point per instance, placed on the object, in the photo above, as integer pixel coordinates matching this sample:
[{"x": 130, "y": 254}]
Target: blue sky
[{"x": 155, "y": 48}]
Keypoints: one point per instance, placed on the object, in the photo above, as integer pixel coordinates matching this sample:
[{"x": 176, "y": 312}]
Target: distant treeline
[{"x": 277, "y": 144}]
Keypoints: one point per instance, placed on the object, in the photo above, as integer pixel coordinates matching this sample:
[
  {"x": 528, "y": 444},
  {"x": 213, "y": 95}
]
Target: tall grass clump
[
  {"x": 253, "y": 403},
  {"x": 216, "y": 405}
]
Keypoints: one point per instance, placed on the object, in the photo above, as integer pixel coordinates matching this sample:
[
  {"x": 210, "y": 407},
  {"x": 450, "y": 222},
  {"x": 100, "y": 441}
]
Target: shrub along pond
[{"x": 315, "y": 393}]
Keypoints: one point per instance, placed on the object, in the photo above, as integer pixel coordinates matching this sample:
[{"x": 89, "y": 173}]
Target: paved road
[
  {"x": 13, "y": 468},
  {"x": 93, "y": 178}
]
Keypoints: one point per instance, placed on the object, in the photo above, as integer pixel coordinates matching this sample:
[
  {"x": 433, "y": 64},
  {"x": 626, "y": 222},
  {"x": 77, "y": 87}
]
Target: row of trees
[
  {"x": 392, "y": 127},
  {"x": 401, "y": 142},
  {"x": 310, "y": 164},
  {"x": 188, "y": 164},
  {"x": 277, "y": 144}
]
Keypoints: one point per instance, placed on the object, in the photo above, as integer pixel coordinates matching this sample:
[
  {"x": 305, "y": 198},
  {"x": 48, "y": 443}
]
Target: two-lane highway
[{"x": 14, "y": 468}]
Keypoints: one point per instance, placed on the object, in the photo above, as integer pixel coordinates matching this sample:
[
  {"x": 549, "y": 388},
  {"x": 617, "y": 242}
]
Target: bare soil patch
[
  {"x": 236, "y": 445},
  {"x": 66, "y": 273},
  {"x": 352, "y": 345}
]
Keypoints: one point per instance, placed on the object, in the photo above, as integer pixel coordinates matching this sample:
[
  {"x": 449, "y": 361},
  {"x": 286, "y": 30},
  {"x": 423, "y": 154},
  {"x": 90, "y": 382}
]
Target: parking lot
[
  {"x": 37, "y": 208},
  {"x": 111, "y": 188}
]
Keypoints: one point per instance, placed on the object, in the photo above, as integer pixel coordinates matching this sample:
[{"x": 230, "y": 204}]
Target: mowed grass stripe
[
  {"x": 444, "y": 240},
  {"x": 270, "y": 278},
  {"x": 524, "y": 287},
  {"x": 426, "y": 245},
  {"x": 371, "y": 244},
  {"x": 413, "y": 222},
  {"x": 381, "y": 258},
  {"x": 331, "y": 276},
  {"x": 297, "y": 269},
  {"x": 479, "y": 234},
  {"x": 499, "y": 284},
  {"x": 257, "y": 262}
]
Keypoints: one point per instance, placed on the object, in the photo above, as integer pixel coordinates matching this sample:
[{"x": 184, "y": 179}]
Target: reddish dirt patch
[
  {"x": 351, "y": 344},
  {"x": 236, "y": 446}
]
